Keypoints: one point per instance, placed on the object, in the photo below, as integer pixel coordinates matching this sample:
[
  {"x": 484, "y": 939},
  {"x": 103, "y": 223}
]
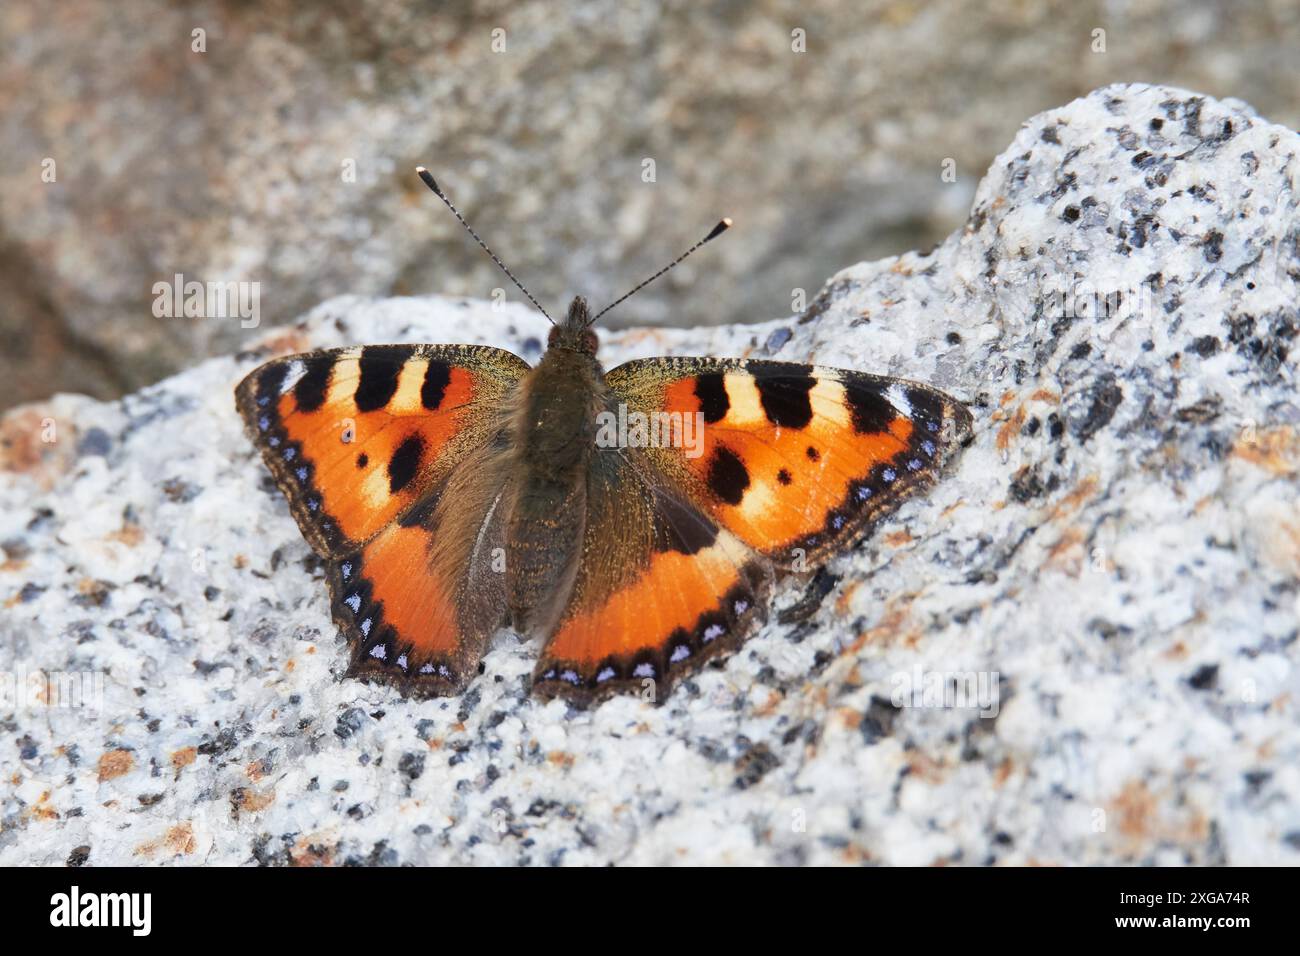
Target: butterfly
[{"x": 635, "y": 520}]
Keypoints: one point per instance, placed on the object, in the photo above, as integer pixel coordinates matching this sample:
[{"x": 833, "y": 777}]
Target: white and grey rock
[{"x": 1118, "y": 551}]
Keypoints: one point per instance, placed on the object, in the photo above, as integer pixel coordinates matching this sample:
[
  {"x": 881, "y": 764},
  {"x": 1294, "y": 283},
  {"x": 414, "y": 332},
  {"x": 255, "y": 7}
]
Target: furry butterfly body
[{"x": 453, "y": 490}]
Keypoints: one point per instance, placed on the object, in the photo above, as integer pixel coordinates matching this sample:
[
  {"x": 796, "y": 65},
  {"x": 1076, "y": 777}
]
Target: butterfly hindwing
[
  {"x": 419, "y": 601},
  {"x": 660, "y": 590},
  {"x": 796, "y": 461},
  {"x": 356, "y": 436}
]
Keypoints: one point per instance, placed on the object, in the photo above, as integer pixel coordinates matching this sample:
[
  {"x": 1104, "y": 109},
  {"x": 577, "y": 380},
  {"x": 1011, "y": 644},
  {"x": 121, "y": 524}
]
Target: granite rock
[{"x": 1080, "y": 647}]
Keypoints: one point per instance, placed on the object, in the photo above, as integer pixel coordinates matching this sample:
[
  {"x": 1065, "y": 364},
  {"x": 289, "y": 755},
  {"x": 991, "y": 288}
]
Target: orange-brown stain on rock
[
  {"x": 926, "y": 768},
  {"x": 26, "y": 448},
  {"x": 289, "y": 342},
  {"x": 1276, "y": 450},
  {"x": 1067, "y": 551},
  {"x": 898, "y": 539},
  {"x": 1010, "y": 429},
  {"x": 1135, "y": 808},
  {"x": 310, "y": 852},
  {"x": 1075, "y": 500},
  {"x": 844, "y": 602},
  {"x": 178, "y": 840},
  {"x": 130, "y": 534},
  {"x": 114, "y": 764},
  {"x": 184, "y": 757},
  {"x": 42, "y": 810},
  {"x": 1003, "y": 772},
  {"x": 890, "y": 626},
  {"x": 249, "y": 800},
  {"x": 769, "y": 706},
  {"x": 848, "y": 718}
]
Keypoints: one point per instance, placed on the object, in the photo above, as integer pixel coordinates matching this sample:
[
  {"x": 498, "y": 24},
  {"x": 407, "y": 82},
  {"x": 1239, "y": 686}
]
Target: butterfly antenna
[
  {"x": 716, "y": 231},
  {"x": 429, "y": 181}
]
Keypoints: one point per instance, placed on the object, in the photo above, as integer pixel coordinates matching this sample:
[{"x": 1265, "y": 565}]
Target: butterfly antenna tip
[
  {"x": 722, "y": 226},
  {"x": 428, "y": 180}
]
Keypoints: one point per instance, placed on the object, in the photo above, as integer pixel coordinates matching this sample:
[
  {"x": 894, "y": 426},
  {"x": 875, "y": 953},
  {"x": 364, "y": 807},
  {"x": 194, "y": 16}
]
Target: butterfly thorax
[{"x": 555, "y": 429}]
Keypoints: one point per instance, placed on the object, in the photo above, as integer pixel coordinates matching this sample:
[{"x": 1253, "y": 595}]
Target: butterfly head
[{"x": 575, "y": 334}]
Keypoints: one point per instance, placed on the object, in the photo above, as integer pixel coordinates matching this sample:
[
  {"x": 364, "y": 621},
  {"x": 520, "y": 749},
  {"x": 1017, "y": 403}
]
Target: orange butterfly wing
[
  {"x": 792, "y": 464},
  {"x": 660, "y": 590},
  {"x": 356, "y": 436},
  {"x": 795, "y": 460},
  {"x": 371, "y": 446}
]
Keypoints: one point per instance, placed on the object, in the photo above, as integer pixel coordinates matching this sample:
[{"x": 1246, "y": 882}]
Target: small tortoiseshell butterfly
[{"x": 476, "y": 491}]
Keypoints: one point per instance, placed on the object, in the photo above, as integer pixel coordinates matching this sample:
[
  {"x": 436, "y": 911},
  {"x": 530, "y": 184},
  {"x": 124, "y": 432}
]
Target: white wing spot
[{"x": 897, "y": 395}]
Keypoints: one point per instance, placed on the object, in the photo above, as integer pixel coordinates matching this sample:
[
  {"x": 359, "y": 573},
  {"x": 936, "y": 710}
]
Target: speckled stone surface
[{"x": 1115, "y": 560}]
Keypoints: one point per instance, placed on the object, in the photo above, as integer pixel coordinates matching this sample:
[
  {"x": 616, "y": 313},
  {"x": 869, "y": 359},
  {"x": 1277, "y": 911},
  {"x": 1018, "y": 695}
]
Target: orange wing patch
[
  {"x": 796, "y": 460},
  {"x": 399, "y": 614},
  {"x": 353, "y": 435},
  {"x": 660, "y": 589}
]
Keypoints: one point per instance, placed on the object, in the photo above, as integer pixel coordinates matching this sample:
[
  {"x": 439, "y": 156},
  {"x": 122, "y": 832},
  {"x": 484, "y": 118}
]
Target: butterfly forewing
[
  {"x": 794, "y": 460},
  {"x": 356, "y": 436}
]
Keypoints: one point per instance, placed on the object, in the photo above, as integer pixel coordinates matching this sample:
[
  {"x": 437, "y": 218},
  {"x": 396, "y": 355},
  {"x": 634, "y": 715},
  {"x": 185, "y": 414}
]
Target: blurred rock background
[{"x": 282, "y": 152}]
